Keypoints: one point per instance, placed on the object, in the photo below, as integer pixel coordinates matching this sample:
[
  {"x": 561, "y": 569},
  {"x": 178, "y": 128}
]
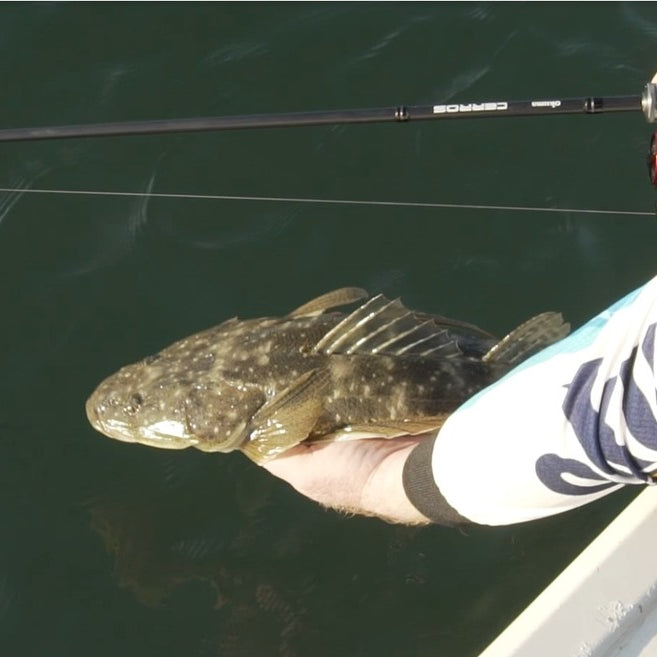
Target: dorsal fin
[
  {"x": 381, "y": 326},
  {"x": 458, "y": 326},
  {"x": 333, "y": 299},
  {"x": 529, "y": 338}
]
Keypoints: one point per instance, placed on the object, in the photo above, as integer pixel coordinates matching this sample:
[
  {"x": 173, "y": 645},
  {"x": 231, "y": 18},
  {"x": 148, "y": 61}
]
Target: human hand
[{"x": 358, "y": 476}]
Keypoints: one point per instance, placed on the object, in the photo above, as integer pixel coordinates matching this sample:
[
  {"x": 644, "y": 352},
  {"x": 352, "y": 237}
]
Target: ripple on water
[
  {"x": 109, "y": 235},
  {"x": 634, "y": 16},
  {"x": 227, "y": 231},
  {"x": 236, "y": 51},
  {"x": 18, "y": 184}
]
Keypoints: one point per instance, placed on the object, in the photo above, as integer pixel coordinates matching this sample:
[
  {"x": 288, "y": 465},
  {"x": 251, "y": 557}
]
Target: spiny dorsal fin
[
  {"x": 381, "y": 326},
  {"x": 333, "y": 299},
  {"x": 227, "y": 324},
  {"x": 458, "y": 326},
  {"x": 529, "y": 338}
]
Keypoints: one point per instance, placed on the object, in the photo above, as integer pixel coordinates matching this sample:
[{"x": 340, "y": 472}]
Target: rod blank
[{"x": 399, "y": 114}]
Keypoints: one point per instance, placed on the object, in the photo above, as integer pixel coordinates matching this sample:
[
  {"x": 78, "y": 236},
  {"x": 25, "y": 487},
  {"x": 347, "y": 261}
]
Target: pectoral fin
[{"x": 288, "y": 418}]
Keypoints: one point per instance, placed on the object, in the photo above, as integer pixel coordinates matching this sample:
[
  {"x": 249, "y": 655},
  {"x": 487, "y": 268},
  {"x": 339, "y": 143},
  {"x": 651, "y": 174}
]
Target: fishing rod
[
  {"x": 646, "y": 102},
  {"x": 399, "y": 114}
]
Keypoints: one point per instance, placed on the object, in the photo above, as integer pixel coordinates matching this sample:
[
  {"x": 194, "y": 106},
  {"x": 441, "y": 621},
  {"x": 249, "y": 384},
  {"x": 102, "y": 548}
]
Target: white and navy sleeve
[{"x": 575, "y": 422}]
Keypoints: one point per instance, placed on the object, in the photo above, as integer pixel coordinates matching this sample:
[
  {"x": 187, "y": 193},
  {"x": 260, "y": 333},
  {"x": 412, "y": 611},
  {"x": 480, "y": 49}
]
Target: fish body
[{"x": 265, "y": 385}]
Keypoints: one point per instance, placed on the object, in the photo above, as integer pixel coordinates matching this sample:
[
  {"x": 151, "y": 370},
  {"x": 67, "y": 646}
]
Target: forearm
[{"x": 572, "y": 424}]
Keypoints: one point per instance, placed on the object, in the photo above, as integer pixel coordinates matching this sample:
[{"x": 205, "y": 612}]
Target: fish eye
[{"x": 134, "y": 404}]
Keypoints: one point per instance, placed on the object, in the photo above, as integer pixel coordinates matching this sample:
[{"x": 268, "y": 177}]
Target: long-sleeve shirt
[{"x": 571, "y": 424}]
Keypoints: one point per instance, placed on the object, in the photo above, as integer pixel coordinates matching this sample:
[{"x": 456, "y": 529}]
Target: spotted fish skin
[{"x": 264, "y": 385}]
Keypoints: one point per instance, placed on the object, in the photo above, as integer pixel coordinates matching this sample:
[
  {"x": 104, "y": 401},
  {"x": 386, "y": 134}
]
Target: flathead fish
[{"x": 265, "y": 385}]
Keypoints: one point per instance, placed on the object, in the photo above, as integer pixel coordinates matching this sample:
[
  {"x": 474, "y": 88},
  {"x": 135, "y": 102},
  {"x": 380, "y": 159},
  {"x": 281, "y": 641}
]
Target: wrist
[{"x": 384, "y": 495}]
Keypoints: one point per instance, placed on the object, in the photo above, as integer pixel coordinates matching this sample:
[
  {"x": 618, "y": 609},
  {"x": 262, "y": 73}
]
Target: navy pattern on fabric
[{"x": 599, "y": 430}]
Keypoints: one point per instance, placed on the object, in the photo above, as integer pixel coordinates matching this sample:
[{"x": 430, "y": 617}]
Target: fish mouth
[
  {"x": 165, "y": 434},
  {"x": 110, "y": 428},
  {"x": 92, "y": 414}
]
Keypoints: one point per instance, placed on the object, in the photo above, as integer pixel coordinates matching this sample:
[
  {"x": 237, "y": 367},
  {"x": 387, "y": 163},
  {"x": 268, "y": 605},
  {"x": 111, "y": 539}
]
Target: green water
[{"x": 113, "y": 549}]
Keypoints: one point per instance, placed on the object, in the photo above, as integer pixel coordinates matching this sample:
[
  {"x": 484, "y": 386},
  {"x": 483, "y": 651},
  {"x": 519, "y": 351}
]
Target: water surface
[{"x": 117, "y": 549}]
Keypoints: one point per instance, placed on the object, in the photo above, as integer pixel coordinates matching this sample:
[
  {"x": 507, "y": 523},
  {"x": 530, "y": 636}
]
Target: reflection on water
[
  {"x": 272, "y": 574},
  {"x": 221, "y": 524},
  {"x": 271, "y": 578}
]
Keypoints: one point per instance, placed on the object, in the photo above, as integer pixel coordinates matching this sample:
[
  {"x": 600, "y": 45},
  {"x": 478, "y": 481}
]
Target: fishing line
[{"x": 329, "y": 201}]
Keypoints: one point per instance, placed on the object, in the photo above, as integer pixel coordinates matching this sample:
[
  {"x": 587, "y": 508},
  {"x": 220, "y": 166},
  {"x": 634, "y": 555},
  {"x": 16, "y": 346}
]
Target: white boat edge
[{"x": 603, "y": 604}]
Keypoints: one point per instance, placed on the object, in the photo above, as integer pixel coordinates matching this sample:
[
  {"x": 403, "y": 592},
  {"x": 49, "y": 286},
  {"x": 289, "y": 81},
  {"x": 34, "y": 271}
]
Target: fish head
[
  {"x": 159, "y": 406},
  {"x": 137, "y": 405}
]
